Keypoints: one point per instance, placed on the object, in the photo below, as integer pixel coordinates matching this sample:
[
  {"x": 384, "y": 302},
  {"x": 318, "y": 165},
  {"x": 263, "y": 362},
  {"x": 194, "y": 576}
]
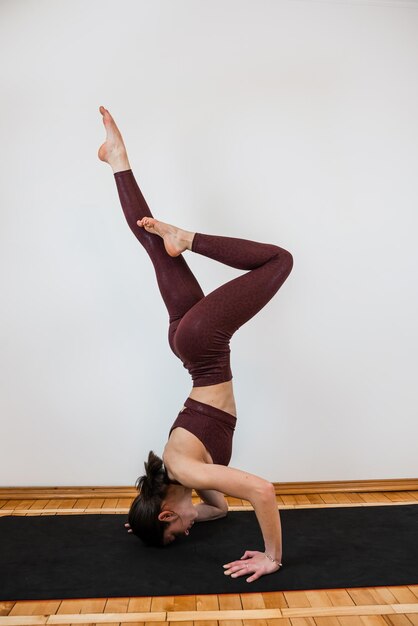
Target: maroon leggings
[{"x": 200, "y": 327}]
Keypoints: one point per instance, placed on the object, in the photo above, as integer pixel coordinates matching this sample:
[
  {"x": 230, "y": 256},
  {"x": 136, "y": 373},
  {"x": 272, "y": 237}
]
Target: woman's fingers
[
  {"x": 249, "y": 553},
  {"x": 237, "y": 568},
  {"x": 228, "y": 565},
  {"x": 254, "y": 577},
  {"x": 253, "y": 563}
]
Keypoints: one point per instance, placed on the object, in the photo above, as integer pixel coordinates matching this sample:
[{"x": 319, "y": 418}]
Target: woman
[{"x": 199, "y": 445}]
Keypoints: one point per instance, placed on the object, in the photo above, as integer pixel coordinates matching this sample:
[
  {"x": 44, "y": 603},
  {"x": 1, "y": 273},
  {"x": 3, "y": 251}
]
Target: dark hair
[{"x": 143, "y": 514}]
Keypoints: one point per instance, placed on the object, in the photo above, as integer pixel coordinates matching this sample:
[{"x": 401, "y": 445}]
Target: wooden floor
[{"x": 374, "y": 606}]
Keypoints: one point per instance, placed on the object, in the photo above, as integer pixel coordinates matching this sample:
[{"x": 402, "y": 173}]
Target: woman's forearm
[
  {"x": 268, "y": 516},
  {"x": 239, "y": 484}
]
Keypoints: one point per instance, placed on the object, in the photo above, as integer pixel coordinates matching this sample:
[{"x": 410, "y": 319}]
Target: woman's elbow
[{"x": 223, "y": 512}]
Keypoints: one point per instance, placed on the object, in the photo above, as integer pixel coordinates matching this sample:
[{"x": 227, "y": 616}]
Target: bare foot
[
  {"x": 175, "y": 239},
  {"x": 113, "y": 150}
]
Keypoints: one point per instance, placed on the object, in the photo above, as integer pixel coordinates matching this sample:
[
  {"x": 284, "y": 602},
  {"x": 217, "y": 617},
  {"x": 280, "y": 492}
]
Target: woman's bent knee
[{"x": 284, "y": 259}]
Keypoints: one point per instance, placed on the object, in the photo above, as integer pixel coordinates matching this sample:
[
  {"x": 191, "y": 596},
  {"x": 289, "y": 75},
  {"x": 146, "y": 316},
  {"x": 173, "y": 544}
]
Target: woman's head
[
  {"x": 145, "y": 509},
  {"x": 163, "y": 510}
]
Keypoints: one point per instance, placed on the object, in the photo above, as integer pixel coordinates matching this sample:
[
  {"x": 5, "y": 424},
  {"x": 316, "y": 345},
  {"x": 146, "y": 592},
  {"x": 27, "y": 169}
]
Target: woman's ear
[{"x": 167, "y": 516}]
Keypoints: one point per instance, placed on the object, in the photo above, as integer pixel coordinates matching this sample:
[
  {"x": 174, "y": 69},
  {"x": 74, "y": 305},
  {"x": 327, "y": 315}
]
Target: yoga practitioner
[{"x": 199, "y": 444}]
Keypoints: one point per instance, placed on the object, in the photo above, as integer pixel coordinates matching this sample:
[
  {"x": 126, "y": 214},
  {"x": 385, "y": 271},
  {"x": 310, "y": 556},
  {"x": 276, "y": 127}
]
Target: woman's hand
[
  {"x": 128, "y": 526},
  {"x": 252, "y": 562}
]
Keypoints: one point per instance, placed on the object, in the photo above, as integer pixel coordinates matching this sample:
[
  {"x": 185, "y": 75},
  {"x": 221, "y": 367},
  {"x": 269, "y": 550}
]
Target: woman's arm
[
  {"x": 214, "y": 505},
  {"x": 259, "y": 492}
]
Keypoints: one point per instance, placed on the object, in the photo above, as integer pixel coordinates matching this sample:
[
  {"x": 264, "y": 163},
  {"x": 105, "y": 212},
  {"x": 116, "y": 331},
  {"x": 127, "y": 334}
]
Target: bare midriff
[{"x": 220, "y": 396}]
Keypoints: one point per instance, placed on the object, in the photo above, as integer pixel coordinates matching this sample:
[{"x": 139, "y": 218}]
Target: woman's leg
[
  {"x": 178, "y": 286},
  {"x": 200, "y": 327},
  {"x": 203, "y": 335}
]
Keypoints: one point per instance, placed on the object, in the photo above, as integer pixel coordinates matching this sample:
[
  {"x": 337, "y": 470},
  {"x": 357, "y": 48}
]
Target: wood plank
[
  {"x": 328, "y": 498},
  {"x": 116, "y": 605},
  {"x": 405, "y": 608},
  {"x": 413, "y": 494},
  {"x": 327, "y": 621},
  {"x": 38, "y": 504},
  {"x": 335, "y": 611},
  {"x": 318, "y": 598},
  {"x": 274, "y": 599},
  {"x": 397, "y": 496},
  {"x": 373, "y": 620},
  {"x": 291, "y": 488},
  {"x": 66, "y": 503},
  {"x": 296, "y": 599},
  {"x": 110, "y": 503},
  {"x": 139, "y": 605},
  {"x": 350, "y": 620},
  {"x": 121, "y": 511},
  {"x": 92, "y": 605},
  {"x": 228, "y": 603},
  {"x": 302, "y": 621},
  {"x": 289, "y": 499},
  {"x": 342, "y": 497},
  {"x": 354, "y": 497},
  {"x": 362, "y": 595},
  {"x": 25, "y": 607},
  {"x": 339, "y": 597},
  {"x": 28, "y": 620},
  {"x": 125, "y": 503},
  {"x": 371, "y": 615},
  {"x": 22, "y": 504},
  {"x": 252, "y": 601},
  {"x": 162, "y": 603},
  {"x": 236, "y": 501},
  {"x": 314, "y": 498},
  {"x": 96, "y": 503},
  {"x": 40, "y": 607},
  {"x": 73, "y": 511},
  {"x": 69, "y": 606},
  {"x": 232, "y": 615},
  {"x": 414, "y": 589},
  {"x": 403, "y": 594},
  {"x": 302, "y": 499},
  {"x": 184, "y": 603},
  {"x": 382, "y": 595},
  {"x": 397, "y": 620},
  {"x": 107, "y": 618},
  {"x": 6, "y": 606},
  {"x": 207, "y": 603}
]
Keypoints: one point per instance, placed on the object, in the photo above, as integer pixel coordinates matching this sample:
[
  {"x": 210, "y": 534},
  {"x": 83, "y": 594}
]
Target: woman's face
[{"x": 180, "y": 523}]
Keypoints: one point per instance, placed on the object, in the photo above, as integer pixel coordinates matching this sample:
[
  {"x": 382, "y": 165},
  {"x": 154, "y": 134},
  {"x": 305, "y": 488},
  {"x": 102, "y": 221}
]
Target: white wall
[{"x": 291, "y": 122}]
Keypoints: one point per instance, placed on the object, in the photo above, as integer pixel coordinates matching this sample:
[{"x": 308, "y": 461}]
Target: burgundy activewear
[{"x": 201, "y": 327}]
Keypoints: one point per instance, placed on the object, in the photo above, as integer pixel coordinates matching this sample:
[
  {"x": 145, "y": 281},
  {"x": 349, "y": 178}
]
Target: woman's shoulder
[{"x": 181, "y": 449}]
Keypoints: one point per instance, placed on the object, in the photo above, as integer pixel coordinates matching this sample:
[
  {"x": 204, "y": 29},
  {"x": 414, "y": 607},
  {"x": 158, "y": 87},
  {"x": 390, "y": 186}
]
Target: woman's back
[{"x": 220, "y": 396}]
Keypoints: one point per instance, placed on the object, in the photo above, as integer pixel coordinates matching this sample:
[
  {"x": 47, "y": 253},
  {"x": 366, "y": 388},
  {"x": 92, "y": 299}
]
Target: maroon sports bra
[{"x": 212, "y": 426}]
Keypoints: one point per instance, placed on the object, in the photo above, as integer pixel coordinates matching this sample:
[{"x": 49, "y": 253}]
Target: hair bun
[{"x": 154, "y": 478}]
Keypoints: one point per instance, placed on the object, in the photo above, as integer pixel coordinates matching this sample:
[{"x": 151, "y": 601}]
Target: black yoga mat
[{"x": 91, "y": 556}]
